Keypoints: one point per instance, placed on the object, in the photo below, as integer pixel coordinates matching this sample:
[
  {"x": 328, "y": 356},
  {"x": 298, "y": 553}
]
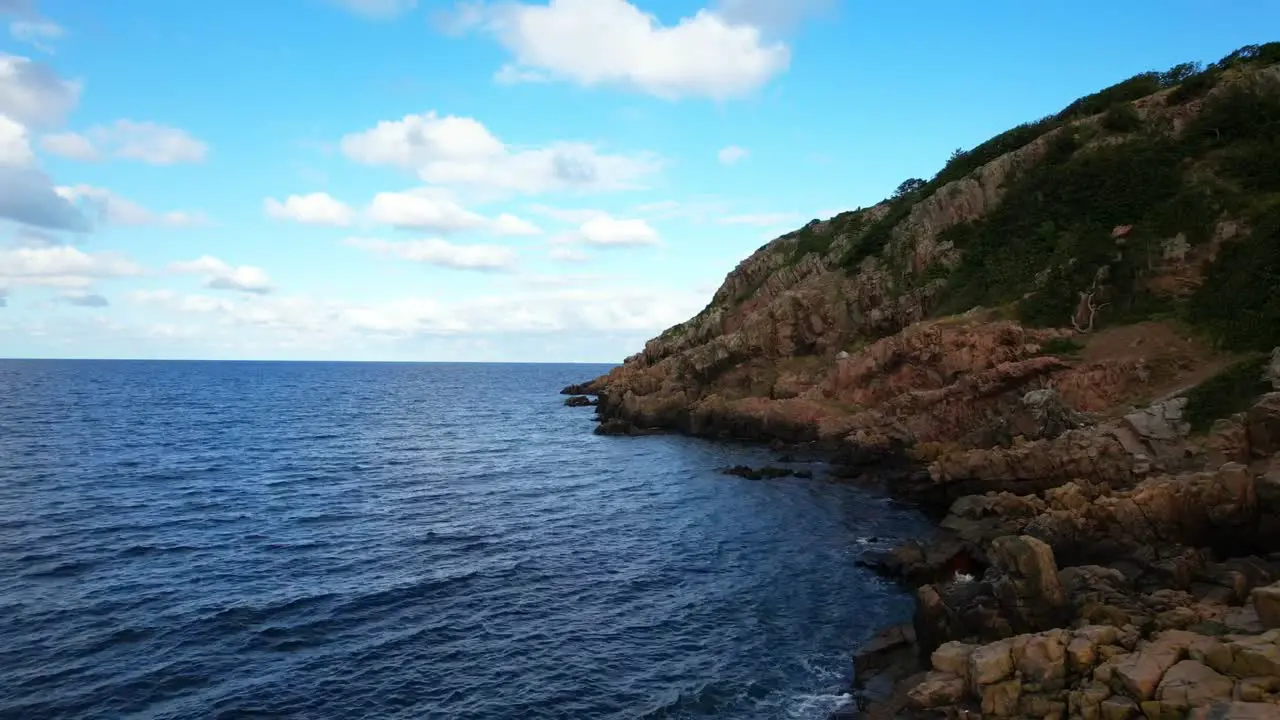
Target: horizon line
[{"x": 280, "y": 360}]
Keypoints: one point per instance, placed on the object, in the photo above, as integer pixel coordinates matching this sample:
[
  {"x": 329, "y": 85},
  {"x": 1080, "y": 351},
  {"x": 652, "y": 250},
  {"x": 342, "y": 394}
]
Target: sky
[{"x": 428, "y": 180}]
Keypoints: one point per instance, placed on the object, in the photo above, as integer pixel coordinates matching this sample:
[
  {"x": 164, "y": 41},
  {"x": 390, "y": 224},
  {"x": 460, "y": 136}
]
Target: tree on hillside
[{"x": 907, "y": 187}]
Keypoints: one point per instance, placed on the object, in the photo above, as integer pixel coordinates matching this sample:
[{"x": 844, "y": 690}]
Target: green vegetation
[
  {"x": 1062, "y": 347},
  {"x": 1239, "y": 302},
  {"x": 1231, "y": 391},
  {"x": 1051, "y": 238},
  {"x": 1121, "y": 118}
]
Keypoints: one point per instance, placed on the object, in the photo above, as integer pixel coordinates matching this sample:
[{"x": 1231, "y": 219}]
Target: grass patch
[{"x": 1231, "y": 391}]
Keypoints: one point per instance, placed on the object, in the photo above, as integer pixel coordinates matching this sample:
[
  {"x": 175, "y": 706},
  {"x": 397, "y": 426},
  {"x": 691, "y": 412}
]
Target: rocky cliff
[
  {"x": 1072, "y": 333},
  {"x": 1078, "y": 255}
]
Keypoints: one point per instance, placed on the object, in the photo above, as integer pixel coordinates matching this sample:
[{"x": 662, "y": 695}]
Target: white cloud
[
  {"x": 320, "y": 321},
  {"x": 220, "y": 275},
  {"x": 759, "y": 219},
  {"x": 36, "y": 32},
  {"x": 515, "y": 75},
  {"x": 422, "y": 209},
  {"x": 378, "y": 9},
  {"x": 70, "y": 145},
  {"x": 731, "y": 155},
  {"x": 113, "y": 209},
  {"x": 61, "y": 266},
  {"x": 568, "y": 254},
  {"x": 27, "y": 196},
  {"x": 612, "y": 42},
  {"x": 317, "y": 208},
  {"x": 145, "y": 142},
  {"x": 612, "y": 232},
  {"x": 460, "y": 151},
  {"x": 507, "y": 224},
  {"x": 84, "y": 299},
  {"x": 441, "y": 253},
  {"x": 434, "y": 209},
  {"x": 32, "y": 94},
  {"x": 15, "y": 146}
]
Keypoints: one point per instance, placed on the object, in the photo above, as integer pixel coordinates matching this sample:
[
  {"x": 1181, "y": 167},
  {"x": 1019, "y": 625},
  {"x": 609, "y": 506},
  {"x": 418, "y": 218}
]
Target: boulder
[
  {"x": 1139, "y": 674},
  {"x": 1266, "y": 601},
  {"x": 1190, "y": 684},
  {"x": 1162, "y": 421},
  {"x": 990, "y": 664},
  {"x": 1027, "y": 582},
  {"x": 1272, "y": 373},
  {"x": 1264, "y": 425},
  {"x": 1228, "y": 441},
  {"x": 1237, "y": 711},
  {"x": 952, "y": 657},
  {"x": 1001, "y": 699},
  {"x": 938, "y": 689},
  {"x": 579, "y": 401}
]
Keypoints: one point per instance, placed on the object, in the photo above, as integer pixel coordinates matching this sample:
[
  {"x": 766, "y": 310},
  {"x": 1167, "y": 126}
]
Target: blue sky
[{"x": 492, "y": 181}]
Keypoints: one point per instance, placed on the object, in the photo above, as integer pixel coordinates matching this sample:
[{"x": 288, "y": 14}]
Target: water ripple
[{"x": 316, "y": 540}]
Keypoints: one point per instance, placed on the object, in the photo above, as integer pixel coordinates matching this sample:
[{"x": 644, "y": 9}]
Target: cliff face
[{"x": 1081, "y": 256}]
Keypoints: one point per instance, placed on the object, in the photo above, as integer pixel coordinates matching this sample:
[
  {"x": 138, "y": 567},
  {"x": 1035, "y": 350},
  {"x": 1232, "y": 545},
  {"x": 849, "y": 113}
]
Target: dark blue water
[{"x": 198, "y": 540}]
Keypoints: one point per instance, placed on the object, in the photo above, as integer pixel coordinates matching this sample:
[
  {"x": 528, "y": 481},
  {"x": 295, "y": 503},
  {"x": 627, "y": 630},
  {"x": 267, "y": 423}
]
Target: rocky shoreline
[{"x": 1106, "y": 569}]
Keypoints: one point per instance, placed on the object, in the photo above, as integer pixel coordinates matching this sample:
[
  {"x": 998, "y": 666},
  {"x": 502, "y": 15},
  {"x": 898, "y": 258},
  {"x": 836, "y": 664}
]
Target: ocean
[{"x": 365, "y": 540}]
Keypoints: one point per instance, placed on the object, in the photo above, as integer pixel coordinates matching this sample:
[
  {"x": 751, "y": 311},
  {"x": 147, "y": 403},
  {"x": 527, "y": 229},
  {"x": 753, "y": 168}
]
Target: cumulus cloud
[
  {"x": 507, "y": 224},
  {"x": 27, "y": 195},
  {"x": 537, "y": 310},
  {"x": 15, "y": 145},
  {"x": 605, "y": 231},
  {"x": 32, "y": 94},
  {"x": 612, "y": 42},
  {"x": 220, "y": 275},
  {"x": 61, "y": 266},
  {"x": 86, "y": 300},
  {"x": 26, "y": 236},
  {"x": 377, "y": 9},
  {"x": 315, "y": 209},
  {"x": 146, "y": 142},
  {"x": 441, "y": 253},
  {"x": 70, "y": 145},
  {"x": 731, "y": 154},
  {"x": 422, "y": 209},
  {"x": 113, "y": 209},
  {"x": 436, "y": 210},
  {"x": 460, "y": 151}
]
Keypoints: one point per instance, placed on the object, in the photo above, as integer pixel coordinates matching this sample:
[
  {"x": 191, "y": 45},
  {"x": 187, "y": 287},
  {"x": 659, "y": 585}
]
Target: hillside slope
[{"x": 1122, "y": 250}]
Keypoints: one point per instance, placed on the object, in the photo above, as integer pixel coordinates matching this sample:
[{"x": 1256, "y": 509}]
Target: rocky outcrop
[{"x": 1106, "y": 672}]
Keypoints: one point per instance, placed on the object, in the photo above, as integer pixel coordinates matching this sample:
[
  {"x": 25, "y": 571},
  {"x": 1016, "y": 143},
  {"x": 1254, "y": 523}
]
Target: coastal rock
[
  {"x": 1264, "y": 425},
  {"x": 579, "y": 401},
  {"x": 1228, "y": 441},
  {"x": 1161, "y": 421},
  {"x": 938, "y": 689},
  {"x": 1266, "y": 602},
  {"x": 1190, "y": 684},
  {"x": 586, "y": 388},
  {"x": 1273, "y": 369},
  {"x": 1026, "y": 582}
]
